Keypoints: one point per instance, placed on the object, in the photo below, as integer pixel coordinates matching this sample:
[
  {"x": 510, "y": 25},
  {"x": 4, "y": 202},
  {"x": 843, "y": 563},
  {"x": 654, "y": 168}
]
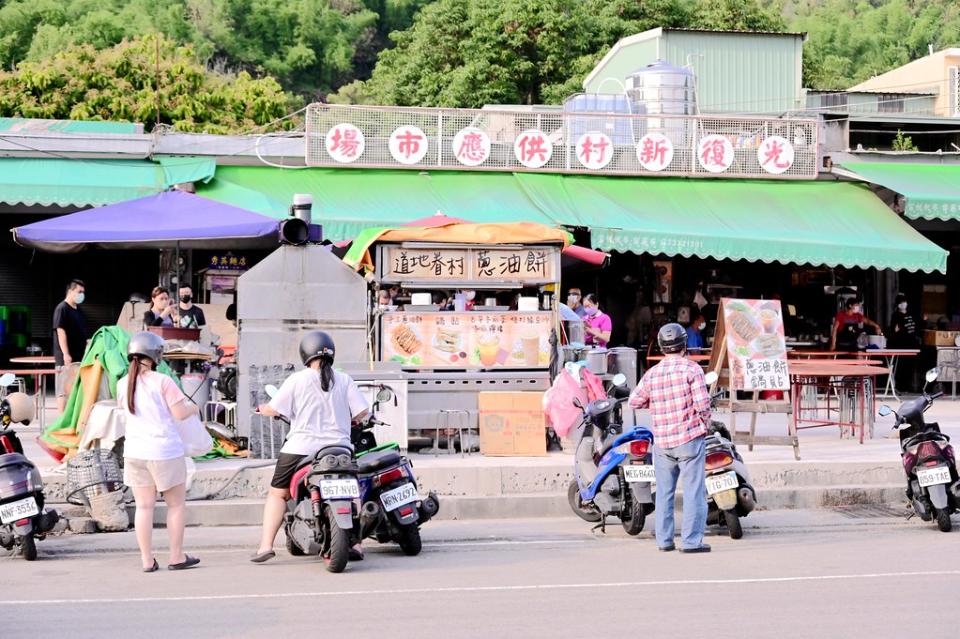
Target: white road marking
[{"x": 481, "y": 589}]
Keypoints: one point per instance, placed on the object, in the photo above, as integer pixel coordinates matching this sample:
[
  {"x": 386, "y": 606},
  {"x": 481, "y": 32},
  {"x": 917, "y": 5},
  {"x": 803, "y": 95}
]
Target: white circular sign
[
  {"x": 533, "y": 148},
  {"x": 345, "y": 143},
  {"x": 655, "y": 152},
  {"x": 775, "y": 154},
  {"x": 594, "y": 150},
  {"x": 715, "y": 153},
  {"x": 471, "y": 146},
  {"x": 408, "y": 144}
]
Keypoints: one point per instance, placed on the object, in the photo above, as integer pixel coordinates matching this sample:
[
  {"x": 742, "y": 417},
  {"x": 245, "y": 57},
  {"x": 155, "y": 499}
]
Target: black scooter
[
  {"x": 933, "y": 487},
  {"x": 23, "y": 518}
]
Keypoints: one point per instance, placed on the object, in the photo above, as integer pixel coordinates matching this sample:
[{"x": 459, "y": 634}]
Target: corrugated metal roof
[
  {"x": 802, "y": 34},
  {"x": 34, "y": 125}
]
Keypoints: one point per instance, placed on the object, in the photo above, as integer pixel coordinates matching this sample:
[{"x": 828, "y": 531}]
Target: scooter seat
[
  {"x": 372, "y": 462},
  {"x": 14, "y": 459}
]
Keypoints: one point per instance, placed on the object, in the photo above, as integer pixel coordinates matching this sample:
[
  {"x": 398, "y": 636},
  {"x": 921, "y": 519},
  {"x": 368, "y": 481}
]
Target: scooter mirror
[
  {"x": 619, "y": 379},
  {"x": 271, "y": 390},
  {"x": 7, "y": 379},
  {"x": 576, "y": 402},
  {"x": 711, "y": 378},
  {"x": 384, "y": 395},
  {"x": 885, "y": 410},
  {"x": 932, "y": 375}
]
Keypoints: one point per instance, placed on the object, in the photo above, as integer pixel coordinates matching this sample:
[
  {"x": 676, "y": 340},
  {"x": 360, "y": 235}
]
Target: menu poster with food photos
[
  {"x": 469, "y": 340},
  {"x": 755, "y": 344}
]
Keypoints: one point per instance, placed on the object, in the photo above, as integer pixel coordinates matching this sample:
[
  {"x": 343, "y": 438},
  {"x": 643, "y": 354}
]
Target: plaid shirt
[{"x": 676, "y": 394}]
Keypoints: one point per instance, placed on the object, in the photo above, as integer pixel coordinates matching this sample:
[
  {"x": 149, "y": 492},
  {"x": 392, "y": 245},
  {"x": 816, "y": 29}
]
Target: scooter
[
  {"x": 23, "y": 518},
  {"x": 323, "y": 512},
  {"x": 933, "y": 487},
  {"x": 392, "y": 508},
  {"x": 613, "y": 470},
  {"x": 730, "y": 495}
]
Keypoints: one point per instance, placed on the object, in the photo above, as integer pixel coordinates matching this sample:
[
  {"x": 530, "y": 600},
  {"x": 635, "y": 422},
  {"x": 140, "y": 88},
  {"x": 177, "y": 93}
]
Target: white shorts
[{"x": 162, "y": 474}]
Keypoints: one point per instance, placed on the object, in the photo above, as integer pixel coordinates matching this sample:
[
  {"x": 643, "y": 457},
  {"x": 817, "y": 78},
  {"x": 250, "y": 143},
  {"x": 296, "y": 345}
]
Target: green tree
[
  {"x": 120, "y": 83},
  {"x": 460, "y": 53}
]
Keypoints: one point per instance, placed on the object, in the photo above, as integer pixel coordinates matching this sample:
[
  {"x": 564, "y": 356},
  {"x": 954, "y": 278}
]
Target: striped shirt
[{"x": 676, "y": 394}]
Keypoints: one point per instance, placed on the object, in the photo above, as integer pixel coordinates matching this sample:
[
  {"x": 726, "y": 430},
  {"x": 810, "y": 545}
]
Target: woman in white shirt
[
  {"x": 321, "y": 403},
  {"x": 153, "y": 451}
]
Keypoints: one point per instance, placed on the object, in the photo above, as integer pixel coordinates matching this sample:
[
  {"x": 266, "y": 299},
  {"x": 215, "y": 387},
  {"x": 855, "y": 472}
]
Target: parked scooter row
[
  {"x": 933, "y": 487},
  {"x": 614, "y": 473},
  {"x": 23, "y": 518},
  {"x": 340, "y": 497}
]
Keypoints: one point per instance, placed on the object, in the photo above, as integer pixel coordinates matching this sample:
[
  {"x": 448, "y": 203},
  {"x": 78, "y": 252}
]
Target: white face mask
[
  {"x": 701, "y": 326},
  {"x": 902, "y": 306},
  {"x": 469, "y": 295}
]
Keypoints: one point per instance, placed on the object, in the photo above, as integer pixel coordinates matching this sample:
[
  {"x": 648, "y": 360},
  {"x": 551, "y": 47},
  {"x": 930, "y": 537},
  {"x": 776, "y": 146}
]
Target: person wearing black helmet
[
  {"x": 321, "y": 404},
  {"x": 675, "y": 391}
]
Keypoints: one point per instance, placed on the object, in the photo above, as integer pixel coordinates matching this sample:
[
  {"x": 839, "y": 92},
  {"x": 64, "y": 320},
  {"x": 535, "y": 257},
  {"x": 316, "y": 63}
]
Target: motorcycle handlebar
[{"x": 936, "y": 395}]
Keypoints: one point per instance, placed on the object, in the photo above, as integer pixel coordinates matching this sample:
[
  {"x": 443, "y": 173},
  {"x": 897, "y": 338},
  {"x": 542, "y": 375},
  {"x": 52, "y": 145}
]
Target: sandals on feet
[
  {"x": 189, "y": 562},
  {"x": 154, "y": 568},
  {"x": 261, "y": 557}
]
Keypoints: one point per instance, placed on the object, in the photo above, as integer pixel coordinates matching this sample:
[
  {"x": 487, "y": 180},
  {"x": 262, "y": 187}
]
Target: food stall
[{"x": 499, "y": 340}]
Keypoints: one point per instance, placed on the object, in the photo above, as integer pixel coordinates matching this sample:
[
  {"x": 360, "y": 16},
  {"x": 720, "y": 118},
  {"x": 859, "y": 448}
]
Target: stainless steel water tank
[{"x": 663, "y": 89}]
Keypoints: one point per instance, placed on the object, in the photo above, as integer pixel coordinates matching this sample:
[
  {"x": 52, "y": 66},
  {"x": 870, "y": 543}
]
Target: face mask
[
  {"x": 79, "y": 298},
  {"x": 573, "y": 299},
  {"x": 701, "y": 326},
  {"x": 592, "y": 310},
  {"x": 902, "y": 306},
  {"x": 856, "y": 310},
  {"x": 186, "y": 299},
  {"x": 470, "y": 295}
]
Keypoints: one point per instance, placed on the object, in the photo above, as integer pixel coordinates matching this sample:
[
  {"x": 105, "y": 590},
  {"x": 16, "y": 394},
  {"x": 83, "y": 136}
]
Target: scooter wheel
[
  {"x": 943, "y": 521},
  {"x": 294, "y": 549},
  {"x": 410, "y": 542},
  {"x": 584, "y": 512},
  {"x": 733, "y": 524},
  {"x": 339, "y": 553},
  {"x": 28, "y": 546},
  {"x": 633, "y": 525}
]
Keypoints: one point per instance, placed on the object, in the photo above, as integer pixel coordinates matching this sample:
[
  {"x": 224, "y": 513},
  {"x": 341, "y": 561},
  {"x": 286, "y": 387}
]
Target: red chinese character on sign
[
  {"x": 409, "y": 143},
  {"x": 591, "y": 146},
  {"x": 772, "y": 153},
  {"x": 713, "y": 153},
  {"x": 533, "y": 146},
  {"x": 775, "y": 154},
  {"x": 346, "y": 142},
  {"x": 471, "y": 148},
  {"x": 653, "y": 152}
]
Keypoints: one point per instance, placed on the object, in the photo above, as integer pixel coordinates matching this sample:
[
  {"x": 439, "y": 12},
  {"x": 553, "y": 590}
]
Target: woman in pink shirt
[{"x": 598, "y": 324}]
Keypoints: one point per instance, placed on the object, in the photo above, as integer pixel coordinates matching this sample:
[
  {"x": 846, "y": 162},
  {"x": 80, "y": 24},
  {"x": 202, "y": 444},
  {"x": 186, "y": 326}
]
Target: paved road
[{"x": 795, "y": 574}]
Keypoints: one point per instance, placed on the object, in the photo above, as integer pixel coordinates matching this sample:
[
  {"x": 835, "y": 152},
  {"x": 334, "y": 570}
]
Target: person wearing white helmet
[
  {"x": 153, "y": 451},
  {"x": 321, "y": 404}
]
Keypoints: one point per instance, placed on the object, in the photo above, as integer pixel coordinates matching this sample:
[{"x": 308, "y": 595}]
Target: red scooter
[{"x": 933, "y": 486}]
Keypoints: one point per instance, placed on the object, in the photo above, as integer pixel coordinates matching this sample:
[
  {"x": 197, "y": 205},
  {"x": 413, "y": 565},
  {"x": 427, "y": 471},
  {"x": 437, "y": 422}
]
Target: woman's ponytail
[
  {"x": 326, "y": 374},
  {"x": 133, "y": 373}
]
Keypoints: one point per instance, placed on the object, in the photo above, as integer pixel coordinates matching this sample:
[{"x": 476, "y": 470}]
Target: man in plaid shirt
[{"x": 676, "y": 393}]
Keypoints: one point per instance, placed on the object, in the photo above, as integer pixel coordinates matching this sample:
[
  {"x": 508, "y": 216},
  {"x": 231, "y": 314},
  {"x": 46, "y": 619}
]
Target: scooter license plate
[
  {"x": 339, "y": 488},
  {"x": 933, "y": 476},
  {"x": 393, "y": 499},
  {"x": 719, "y": 483},
  {"x": 639, "y": 473},
  {"x": 18, "y": 510}
]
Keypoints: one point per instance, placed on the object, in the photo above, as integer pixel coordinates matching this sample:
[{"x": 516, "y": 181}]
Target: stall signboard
[
  {"x": 526, "y": 265},
  {"x": 473, "y": 340},
  {"x": 755, "y": 344},
  {"x": 228, "y": 261}
]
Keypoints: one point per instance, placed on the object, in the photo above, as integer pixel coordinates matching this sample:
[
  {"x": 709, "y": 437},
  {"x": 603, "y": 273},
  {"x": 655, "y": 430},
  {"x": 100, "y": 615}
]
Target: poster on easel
[{"x": 755, "y": 344}]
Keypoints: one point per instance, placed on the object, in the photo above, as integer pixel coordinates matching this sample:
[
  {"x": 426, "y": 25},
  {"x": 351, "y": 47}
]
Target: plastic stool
[{"x": 448, "y": 419}]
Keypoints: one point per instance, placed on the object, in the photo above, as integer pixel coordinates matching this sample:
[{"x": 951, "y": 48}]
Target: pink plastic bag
[{"x": 558, "y": 403}]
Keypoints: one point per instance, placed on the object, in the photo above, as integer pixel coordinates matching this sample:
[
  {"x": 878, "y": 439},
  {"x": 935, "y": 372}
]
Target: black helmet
[
  {"x": 316, "y": 344},
  {"x": 672, "y": 338},
  {"x": 145, "y": 344}
]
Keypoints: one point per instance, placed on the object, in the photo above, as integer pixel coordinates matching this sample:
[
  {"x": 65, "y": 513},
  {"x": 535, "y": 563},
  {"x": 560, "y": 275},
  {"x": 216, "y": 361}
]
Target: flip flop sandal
[
  {"x": 190, "y": 562},
  {"x": 259, "y": 558},
  {"x": 154, "y": 568}
]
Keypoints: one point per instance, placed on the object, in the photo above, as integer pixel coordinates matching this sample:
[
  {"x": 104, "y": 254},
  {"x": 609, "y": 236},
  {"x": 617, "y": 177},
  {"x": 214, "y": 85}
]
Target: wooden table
[
  {"x": 35, "y": 360},
  {"x": 836, "y": 378},
  {"x": 40, "y": 397}
]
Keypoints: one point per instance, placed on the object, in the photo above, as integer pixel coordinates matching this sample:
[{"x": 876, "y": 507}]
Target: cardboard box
[
  {"x": 940, "y": 338},
  {"x": 512, "y": 424}
]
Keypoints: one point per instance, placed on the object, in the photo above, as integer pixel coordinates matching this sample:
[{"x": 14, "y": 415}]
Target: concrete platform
[{"x": 833, "y": 472}]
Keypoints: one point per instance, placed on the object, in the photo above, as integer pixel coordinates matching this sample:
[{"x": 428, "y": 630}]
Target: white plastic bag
[{"x": 196, "y": 440}]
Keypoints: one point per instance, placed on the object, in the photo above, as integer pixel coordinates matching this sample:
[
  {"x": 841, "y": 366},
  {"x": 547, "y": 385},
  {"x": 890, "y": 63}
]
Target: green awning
[
  {"x": 347, "y": 201},
  {"x": 91, "y": 182},
  {"x": 801, "y": 222},
  {"x": 796, "y": 222},
  {"x": 931, "y": 191}
]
